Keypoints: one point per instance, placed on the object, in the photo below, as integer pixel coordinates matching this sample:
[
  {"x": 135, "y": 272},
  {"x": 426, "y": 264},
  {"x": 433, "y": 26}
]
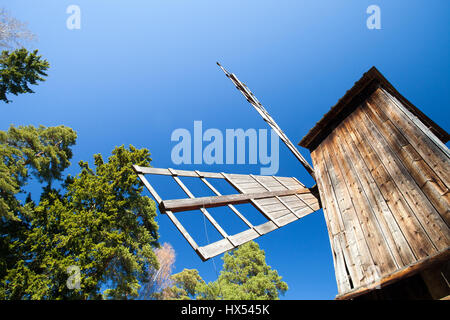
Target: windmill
[{"x": 382, "y": 173}]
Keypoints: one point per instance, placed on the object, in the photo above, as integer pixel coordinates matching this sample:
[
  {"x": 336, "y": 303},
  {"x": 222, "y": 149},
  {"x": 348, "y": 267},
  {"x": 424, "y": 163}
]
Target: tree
[
  {"x": 25, "y": 152},
  {"x": 244, "y": 276},
  {"x": 13, "y": 33},
  {"x": 159, "y": 279},
  {"x": 98, "y": 222},
  {"x": 18, "y": 70}
]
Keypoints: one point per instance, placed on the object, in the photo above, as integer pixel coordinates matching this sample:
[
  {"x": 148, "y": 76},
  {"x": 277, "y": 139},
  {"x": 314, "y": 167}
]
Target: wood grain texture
[{"x": 383, "y": 184}]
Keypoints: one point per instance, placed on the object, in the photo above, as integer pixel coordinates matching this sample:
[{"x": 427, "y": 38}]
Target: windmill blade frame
[{"x": 281, "y": 200}]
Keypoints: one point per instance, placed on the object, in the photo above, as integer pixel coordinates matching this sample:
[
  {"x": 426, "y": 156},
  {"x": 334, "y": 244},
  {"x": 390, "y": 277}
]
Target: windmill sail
[
  {"x": 266, "y": 117},
  {"x": 281, "y": 200}
]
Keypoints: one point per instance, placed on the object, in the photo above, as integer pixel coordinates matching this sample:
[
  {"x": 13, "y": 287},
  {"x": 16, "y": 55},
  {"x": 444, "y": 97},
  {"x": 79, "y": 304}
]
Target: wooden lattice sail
[
  {"x": 383, "y": 178},
  {"x": 281, "y": 200}
]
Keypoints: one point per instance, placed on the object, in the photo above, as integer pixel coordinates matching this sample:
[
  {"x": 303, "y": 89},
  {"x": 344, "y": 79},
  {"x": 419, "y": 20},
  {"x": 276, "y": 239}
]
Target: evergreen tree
[
  {"x": 18, "y": 70},
  {"x": 99, "y": 221},
  {"x": 245, "y": 276}
]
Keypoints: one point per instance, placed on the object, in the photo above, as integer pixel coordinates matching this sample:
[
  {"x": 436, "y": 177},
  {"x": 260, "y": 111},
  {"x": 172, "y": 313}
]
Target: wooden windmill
[{"x": 383, "y": 175}]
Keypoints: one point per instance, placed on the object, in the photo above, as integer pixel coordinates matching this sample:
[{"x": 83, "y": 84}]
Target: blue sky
[{"x": 138, "y": 70}]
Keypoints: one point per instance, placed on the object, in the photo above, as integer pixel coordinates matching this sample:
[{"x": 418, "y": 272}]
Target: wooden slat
[
  {"x": 280, "y": 213},
  {"x": 183, "y": 231},
  {"x": 266, "y": 227},
  {"x": 217, "y": 201},
  {"x": 427, "y": 180},
  {"x": 400, "y": 274},
  {"x": 410, "y": 226},
  {"x": 181, "y": 173},
  {"x": 202, "y": 209},
  {"x": 361, "y": 254},
  {"x": 430, "y": 219},
  {"x": 397, "y": 242},
  {"x": 150, "y": 188},
  {"x": 233, "y": 208},
  {"x": 313, "y": 204},
  {"x": 252, "y": 201},
  {"x": 342, "y": 278},
  {"x": 215, "y": 248},
  {"x": 421, "y": 125},
  {"x": 370, "y": 226},
  {"x": 347, "y": 242},
  {"x": 287, "y": 218},
  {"x": 430, "y": 152},
  {"x": 271, "y": 184},
  {"x": 221, "y": 246}
]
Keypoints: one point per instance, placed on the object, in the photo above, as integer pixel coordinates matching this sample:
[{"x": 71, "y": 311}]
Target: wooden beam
[
  {"x": 218, "y": 201},
  {"x": 267, "y": 118},
  {"x": 210, "y": 186},
  {"x": 150, "y": 188},
  {"x": 181, "y": 173},
  {"x": 398, "y": 275},
  {"x": 174, "y": 174}
]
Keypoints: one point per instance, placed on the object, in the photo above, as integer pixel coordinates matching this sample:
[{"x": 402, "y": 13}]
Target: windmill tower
[{"x": 383, "y": 175}]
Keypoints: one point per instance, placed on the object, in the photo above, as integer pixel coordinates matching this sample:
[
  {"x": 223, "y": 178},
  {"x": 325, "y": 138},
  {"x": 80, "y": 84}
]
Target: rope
[{"x": 213, "y": 259}]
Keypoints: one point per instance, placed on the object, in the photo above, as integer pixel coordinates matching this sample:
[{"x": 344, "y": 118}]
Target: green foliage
[
  {"x": 186, "y": 285},
  {"x": 18, "y": 70},
  {"x": 99, "y": 221},
  {"x": 245, "y": 276},
  {"x": 28, "y": 151}
]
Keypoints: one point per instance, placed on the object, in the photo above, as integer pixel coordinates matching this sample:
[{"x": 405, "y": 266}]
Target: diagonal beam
[{"x": 267, "y": 118}]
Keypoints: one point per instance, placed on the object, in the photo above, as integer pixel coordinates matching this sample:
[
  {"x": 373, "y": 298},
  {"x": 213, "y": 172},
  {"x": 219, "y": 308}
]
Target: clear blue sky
[{"x": 137, "y": 70}]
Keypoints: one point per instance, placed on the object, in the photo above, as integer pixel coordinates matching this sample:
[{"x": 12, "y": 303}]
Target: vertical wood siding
[{"x": 384, "y": 182}]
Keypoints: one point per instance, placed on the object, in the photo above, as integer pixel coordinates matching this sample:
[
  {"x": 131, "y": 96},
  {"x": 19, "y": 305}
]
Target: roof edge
[{"x": 369, "y": 82}]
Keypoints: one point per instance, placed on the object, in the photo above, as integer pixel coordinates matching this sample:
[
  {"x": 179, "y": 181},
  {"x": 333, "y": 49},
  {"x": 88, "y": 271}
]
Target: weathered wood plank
[
  {"x": 342, "y": 278},
  {"x": 215, "y": 248},
  {"x": 182, "y": 230},
  {"x": 430, "y": 152},
  {"x": 398, "y": 275},
  {"x": 425, "y": 129},
  {"x": 397, "y": 242},
  {"x": 266, "y": 227},
  {"x": 244, "y": 236},
  {"x": 150, "y": 188},
  {"x": 202, "y": 209},
  {"x": 276, "y": 213},
  {"x": 370, "y": 227},
  {"x": 309, "y": 200},
  {"x": 427, "y": 180},
  {"x": 286, "y": 219},
  {"x": 217, "y": 201},
  {"x": 353, "y": 231},
  {"x": 430, "y": 219},
  {"x": 252, "y": 201},
  {"x": 407, "y": 221},
  {"x": 346, "y": 239},
  {"x": 217, "y": 193},
  {"x": 182, "y": 173}
]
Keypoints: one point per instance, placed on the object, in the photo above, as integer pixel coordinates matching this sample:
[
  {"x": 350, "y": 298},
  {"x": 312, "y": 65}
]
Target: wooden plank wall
[{"x": 384, "y": 186}]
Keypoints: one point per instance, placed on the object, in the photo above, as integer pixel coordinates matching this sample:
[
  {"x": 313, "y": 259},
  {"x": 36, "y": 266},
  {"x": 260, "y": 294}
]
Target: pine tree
[
  {"x": 98, "y": 222},
  {"x": 18, "y": 70},
  {"x": 245, "y": 276}
]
